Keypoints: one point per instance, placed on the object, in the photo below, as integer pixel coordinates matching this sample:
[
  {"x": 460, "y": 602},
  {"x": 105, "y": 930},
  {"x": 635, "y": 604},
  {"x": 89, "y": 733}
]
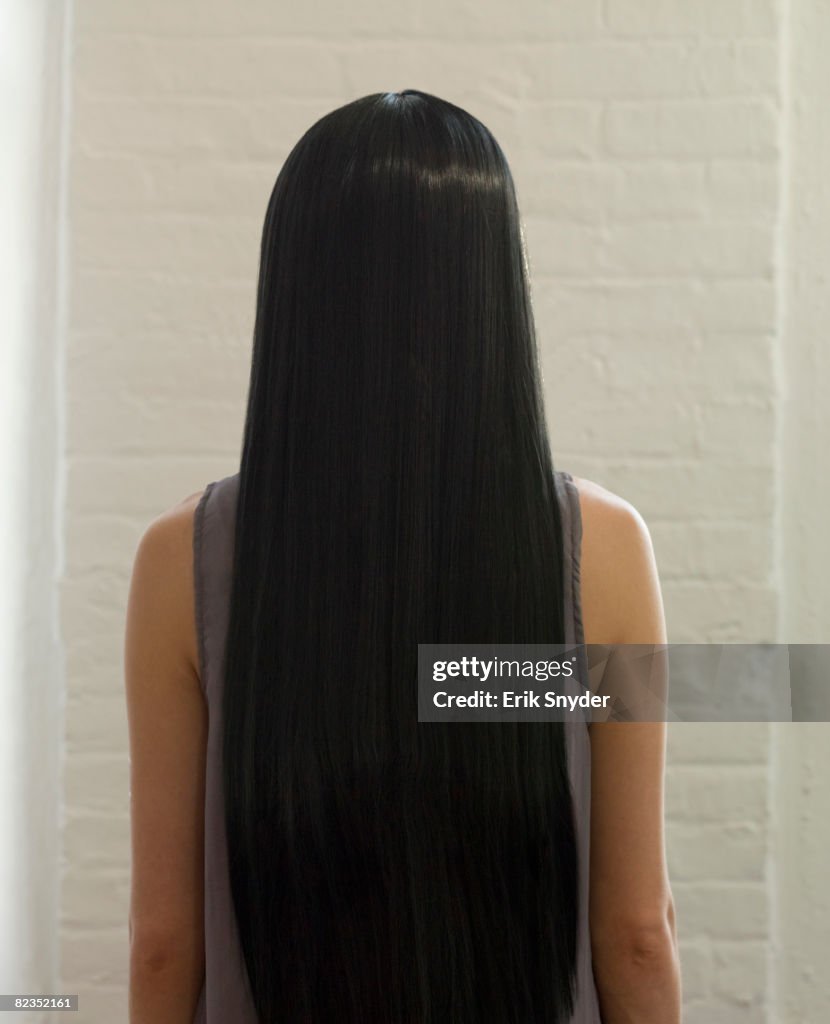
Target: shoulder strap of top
[
  {"x": 213, "y": 543},
  {"x": 571, "y": 515}
]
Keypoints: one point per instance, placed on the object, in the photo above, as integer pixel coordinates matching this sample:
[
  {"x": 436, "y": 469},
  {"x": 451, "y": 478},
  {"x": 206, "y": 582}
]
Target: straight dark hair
[{"x": 396, "y": 487}]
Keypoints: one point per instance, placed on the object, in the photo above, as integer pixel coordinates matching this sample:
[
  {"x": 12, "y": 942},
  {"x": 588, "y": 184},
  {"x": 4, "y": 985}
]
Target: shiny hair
[{"x": 396, "y": 488}]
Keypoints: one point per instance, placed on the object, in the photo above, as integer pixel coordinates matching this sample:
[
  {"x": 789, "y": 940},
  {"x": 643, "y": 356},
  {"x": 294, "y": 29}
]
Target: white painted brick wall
[{"x": 644, "y": 139}]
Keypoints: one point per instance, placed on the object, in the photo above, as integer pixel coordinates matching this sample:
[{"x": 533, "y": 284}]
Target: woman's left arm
[{"x": 167, "y": 719}]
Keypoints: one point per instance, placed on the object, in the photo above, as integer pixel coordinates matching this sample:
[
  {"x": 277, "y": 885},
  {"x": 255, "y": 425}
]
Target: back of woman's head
[{"x": 396, "y": 488}]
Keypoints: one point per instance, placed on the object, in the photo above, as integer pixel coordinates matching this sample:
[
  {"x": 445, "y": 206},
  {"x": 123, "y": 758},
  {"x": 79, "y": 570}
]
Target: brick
[
  {"x": 616, "y": 69},
  {"x": 559, "y": 130},
  {"x": 713, "y": 911},
  {"x": 692, "y": 130},
  {"x": 716, "y": 852},
  {"x": 93, "y": 897},
  {"x": 688, "y": 249},
  {"x": 95, "y": 960},
  {"x": 712, "y": 551},
  {"x": 740, "y": 972},
  {"x": 97, "y": 840},
  {"x": 711, "y": 17},
  {"x": 718, "y": 743},
  {"x": 139, "y": 65},
  {"x": 741, "y": 189},
  {"x": 717, "y": 793},
  {"x": 695, "y": 969}
]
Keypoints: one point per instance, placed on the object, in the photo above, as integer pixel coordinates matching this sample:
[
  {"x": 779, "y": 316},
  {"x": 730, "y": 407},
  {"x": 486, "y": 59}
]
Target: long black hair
[{"x": 396, "y": 487}]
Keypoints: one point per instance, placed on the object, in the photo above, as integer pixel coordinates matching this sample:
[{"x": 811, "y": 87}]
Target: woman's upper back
[
  {"x": 226, "y": 994},
  {"x": 608, "y": 558}
]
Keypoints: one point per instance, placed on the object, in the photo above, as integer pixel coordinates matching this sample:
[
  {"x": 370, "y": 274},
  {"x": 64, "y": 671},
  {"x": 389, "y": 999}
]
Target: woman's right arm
[{"x": 633, "y": 935}]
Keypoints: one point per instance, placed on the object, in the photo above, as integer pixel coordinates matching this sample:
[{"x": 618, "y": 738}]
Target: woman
[{"x": 303, "y": 849}]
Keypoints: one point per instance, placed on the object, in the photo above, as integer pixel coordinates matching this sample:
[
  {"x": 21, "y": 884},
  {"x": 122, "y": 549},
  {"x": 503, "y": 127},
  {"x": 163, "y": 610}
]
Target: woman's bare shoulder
[
  {"x": 604, "y": 508},
  {"x": 165, "y": 552},
  {"x": 618, "y": 574}
]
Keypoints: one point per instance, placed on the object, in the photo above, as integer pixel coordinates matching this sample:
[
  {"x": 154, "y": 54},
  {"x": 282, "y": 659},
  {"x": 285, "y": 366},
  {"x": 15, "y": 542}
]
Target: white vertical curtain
[{"x": 34, "y": 102}]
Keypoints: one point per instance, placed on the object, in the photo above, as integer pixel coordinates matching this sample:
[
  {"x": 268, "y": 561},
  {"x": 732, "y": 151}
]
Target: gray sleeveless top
[{"x": 225, "y": 997}]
